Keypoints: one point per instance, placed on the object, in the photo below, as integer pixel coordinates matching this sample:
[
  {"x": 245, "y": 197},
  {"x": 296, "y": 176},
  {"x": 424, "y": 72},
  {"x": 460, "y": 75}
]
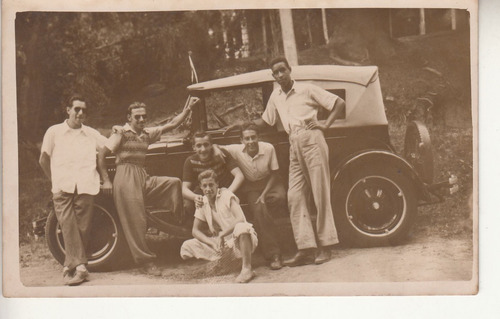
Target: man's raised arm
[{"x": 176, "y": 121}]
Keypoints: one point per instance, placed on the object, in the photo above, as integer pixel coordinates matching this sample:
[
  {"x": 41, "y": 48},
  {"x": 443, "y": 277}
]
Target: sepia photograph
[{"x": 295, "y": 151}]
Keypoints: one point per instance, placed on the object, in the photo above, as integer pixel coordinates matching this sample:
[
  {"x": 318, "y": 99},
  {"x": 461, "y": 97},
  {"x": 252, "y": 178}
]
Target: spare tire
[{"x": 418, "y": 150}]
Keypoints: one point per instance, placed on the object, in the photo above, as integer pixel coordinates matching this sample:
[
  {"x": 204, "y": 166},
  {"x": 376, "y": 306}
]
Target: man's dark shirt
[{"x": 193, "y": 166}]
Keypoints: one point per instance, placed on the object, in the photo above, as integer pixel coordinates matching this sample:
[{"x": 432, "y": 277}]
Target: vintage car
[{"x": 375, "y": 192}]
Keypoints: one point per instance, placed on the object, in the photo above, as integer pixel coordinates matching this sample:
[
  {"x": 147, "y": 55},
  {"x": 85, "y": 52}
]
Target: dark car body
[{"x": 375, "y": 192}]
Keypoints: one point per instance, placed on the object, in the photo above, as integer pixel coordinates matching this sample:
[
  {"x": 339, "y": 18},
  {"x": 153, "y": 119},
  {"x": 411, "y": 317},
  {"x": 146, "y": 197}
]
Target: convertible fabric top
[{"x": 353, "y": 74}]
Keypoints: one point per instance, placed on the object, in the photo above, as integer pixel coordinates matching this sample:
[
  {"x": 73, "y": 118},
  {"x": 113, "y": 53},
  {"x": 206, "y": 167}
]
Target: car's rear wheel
[
  {"x": 374, "y": 205},
  {"x": 418, "y": 150},
  {"x": 107, "y": 246}
]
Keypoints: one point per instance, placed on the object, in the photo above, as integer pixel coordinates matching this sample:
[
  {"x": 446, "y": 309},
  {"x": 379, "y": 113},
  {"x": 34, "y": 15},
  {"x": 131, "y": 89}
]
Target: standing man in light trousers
[{"x": 297, "y": 105}]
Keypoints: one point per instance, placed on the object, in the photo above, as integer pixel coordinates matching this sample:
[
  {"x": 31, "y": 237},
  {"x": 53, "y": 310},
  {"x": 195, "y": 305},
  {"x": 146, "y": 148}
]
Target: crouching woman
[{"x": 227, "y": 227}]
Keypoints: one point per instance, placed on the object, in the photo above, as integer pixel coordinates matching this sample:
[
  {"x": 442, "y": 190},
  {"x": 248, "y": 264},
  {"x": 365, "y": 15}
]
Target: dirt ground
[{"x": 422, "y": 258}]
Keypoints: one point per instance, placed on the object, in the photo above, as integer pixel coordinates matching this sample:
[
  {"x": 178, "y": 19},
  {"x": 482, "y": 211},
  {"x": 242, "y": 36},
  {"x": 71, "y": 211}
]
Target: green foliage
[{"x": 107, "y": 57}]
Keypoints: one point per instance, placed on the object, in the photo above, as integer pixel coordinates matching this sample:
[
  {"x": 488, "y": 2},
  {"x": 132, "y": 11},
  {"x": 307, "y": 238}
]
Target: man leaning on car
[
  {"x": 297, "y": 105},
  {"x": 262, "y": 188},
  {"x": 132, "y": 186}
]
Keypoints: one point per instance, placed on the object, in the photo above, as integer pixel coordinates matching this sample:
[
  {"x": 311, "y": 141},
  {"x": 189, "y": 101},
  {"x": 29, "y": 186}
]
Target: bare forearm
[
  {"x": 200, "y": 235},
  {"x": 225, "y": 232},
  {"x": 101, "y": 163},
  {"x": 187, "y": 193},
  {"x": 45, "y": 165},
  {"x": 270, "y": 182},
  {"x": 337, "y": 109},
  {"x": 176, "y": 121},
  {"x": 237, "y": 181},
  {"x": 260, "y": 123}
]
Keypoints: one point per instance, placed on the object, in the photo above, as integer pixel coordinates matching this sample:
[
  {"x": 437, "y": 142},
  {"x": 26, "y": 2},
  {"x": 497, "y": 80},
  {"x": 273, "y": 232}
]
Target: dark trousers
[{"x": 263, "y": 221}]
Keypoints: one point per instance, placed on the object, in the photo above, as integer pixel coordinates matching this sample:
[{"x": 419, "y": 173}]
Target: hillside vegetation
[{"x": 426, "y": 78}]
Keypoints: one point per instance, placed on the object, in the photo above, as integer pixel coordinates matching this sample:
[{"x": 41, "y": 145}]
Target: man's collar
[
  {"x": 127, "y": 127},
  {"x": 291, "y": 89},
  {"x": 68, "y": 128},
  {"x": 260, "y": 152}
]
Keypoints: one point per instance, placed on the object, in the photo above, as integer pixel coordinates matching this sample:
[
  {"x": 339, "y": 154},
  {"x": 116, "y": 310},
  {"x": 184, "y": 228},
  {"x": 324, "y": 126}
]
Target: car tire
[
  {"x": 374, "y": 205},
  {"x": 108, "y": 246},
  {"x": 418, "y": 150}
]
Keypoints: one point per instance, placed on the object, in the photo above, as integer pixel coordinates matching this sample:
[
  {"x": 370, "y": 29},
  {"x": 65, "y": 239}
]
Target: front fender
[{"x": 380, "y": 157}]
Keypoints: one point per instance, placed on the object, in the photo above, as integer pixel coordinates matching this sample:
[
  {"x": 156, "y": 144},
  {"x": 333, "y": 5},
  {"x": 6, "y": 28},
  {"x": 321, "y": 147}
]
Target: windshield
[{"x": 225, "y": 107}]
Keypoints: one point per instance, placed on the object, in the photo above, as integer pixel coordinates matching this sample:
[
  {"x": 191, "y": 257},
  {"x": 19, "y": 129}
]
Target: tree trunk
[
  {"x": 245, "y": 43},
  {"x": 325, "y": 26},
  {"x": 264, "y": 33},
  {"x": 225, "y": 42},
  {"x": 30, "y": 95},
  {"x": 309, "y": 33},
  {"x": 288, "y": 33},
  {"x": 275, "y": 33},
  {"x": 453, "y": 19},
  {"x": 422, "y": 22}
]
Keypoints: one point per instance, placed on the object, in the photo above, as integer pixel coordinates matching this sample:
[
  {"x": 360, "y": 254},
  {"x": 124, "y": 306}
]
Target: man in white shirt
[
  {"x": 68, "y": 159},
  {"x": 262, "y": 188},
  {"x": 297, "y": 105}
]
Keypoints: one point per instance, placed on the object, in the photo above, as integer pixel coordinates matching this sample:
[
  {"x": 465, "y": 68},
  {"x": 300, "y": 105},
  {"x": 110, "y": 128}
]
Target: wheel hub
[{"x": 375, "y": 205}]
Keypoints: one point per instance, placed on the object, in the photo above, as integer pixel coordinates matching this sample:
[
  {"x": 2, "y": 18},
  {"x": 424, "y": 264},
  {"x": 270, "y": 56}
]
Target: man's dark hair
[
  {"x": 201, "y": 134},
  {"x": 278, "y": 60},
  {"x": 209, "y": 173},
  {"x": 248, "y": 127},
  {"x": 75, "y": 97},
  {"x": 135, "y": 105}
]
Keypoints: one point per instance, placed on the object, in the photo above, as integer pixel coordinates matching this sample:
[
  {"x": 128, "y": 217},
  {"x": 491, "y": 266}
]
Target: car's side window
[
  {"x": 323, "y": 114},
  {"x": 225, "y": 107}
]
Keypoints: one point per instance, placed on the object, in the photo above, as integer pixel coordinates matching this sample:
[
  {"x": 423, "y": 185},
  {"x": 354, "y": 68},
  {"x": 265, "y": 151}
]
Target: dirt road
[{"x": 421, "y": 259}]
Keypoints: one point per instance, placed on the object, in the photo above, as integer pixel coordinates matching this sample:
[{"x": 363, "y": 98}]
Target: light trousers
[
  {"x": 132, "y": 187},
  {"x": 309, "y": 176},
  {"x": 74, "y": 214}
]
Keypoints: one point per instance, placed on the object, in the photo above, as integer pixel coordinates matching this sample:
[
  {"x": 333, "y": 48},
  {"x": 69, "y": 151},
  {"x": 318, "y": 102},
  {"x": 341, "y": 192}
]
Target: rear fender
[{"x": 379, "y": 157}]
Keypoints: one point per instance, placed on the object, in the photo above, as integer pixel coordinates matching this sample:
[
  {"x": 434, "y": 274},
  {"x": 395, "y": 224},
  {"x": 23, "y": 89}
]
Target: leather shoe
[
  {"x": 276, "y": 263},
  {"x": 302, "y": 257},
  {"x": 79, "y": 277},
  {"x": 67, "y": 274},
  {"x": 323, "y": 256}
]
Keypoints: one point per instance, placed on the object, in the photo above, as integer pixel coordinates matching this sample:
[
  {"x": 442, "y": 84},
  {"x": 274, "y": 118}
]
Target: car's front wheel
[
  {"x": 374, "y": 205},
  {"x": 107, "y": 244}
]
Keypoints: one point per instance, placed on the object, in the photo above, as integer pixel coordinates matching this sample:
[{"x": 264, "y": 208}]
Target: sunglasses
[
  {"x": 137, "y": 117},
  {"x": 78, "y": 109}
]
